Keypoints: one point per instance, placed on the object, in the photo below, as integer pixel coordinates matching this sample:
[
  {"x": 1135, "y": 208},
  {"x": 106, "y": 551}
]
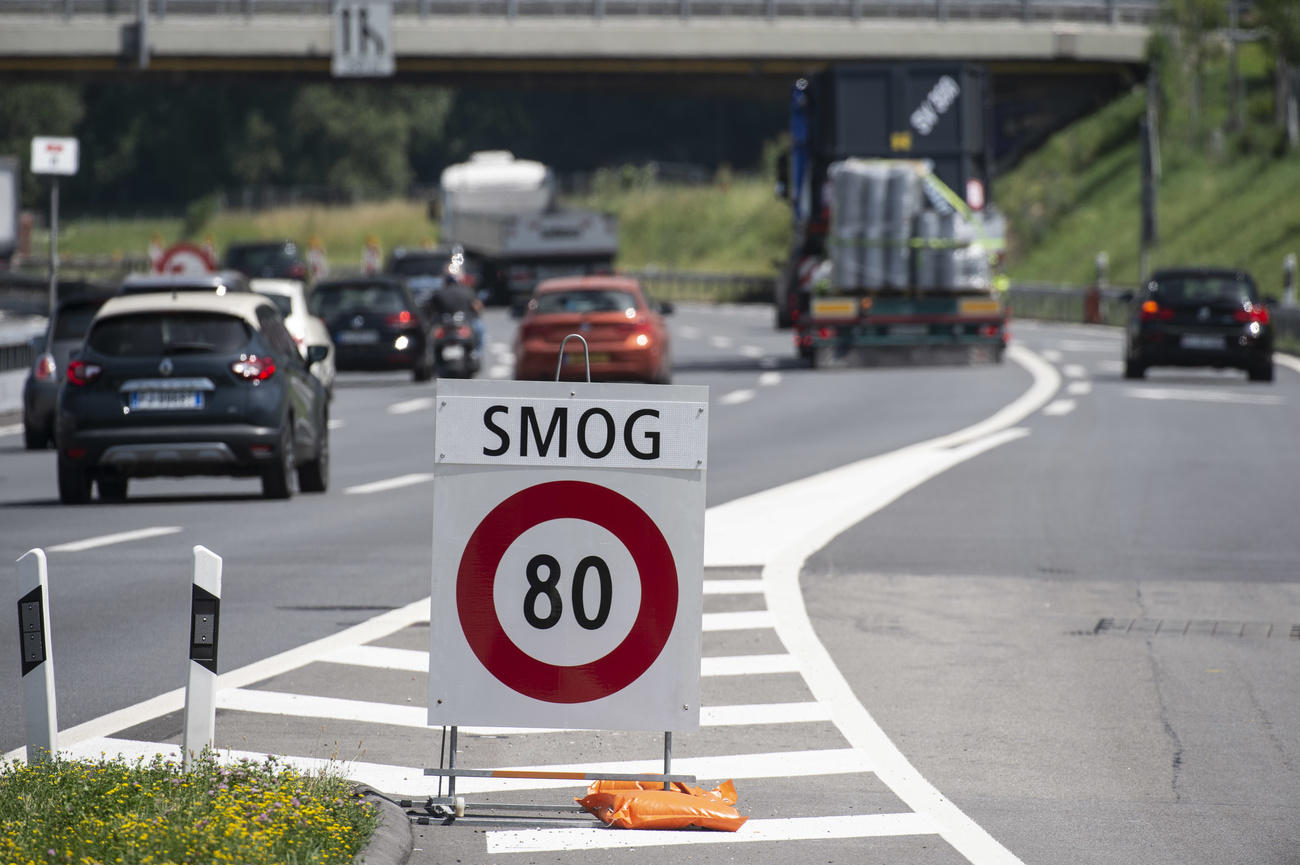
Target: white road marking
[
  {"x": 1089, "y": 345},
  {"x": 1110, "y": 366},
  {"x": 12, "y": 429},
  {"x": 688, "y": 332},
  {"x": 772, "y": 830},
  {"x": 411, "y": 780},
  {"x": 416, "y": 661},
  {"x": 421, "y": 403},
  {"x": 1288, "y": 361},
  {"x": 1079, "y": 388},
  {"x": 335, "y": 423},
  {"x": 392, "y": 714},
  {"x": 733, "y": 587},
  {"x": 1051, "y": 354},
  {"x": 500, "y": 348},
  {"x": 1216, "y": 396},
  {"x": 118, "y": 538},
  {"x": 740, "y": 621},
  {"x": 500, "y": 371},
  {"x": 768, "y": 379},
  {"x": 736, "y": 397},
  {"x": 389, "y": 484},
  {"x": 1074, "y": 370},
  {"x": 751, "y": 351},
  {"x": 1059, "y": 407},
  {"x": 720, "y": 341}
]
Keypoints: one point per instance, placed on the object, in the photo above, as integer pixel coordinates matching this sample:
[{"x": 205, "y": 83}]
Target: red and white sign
[
  {"x": 568, "y": 535},
  {"x": 55, "y": 156},
  {"x": 186, "y": 259}
]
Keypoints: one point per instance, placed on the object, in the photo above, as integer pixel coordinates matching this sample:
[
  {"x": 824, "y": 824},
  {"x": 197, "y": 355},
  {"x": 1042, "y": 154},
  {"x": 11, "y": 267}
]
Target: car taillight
[
  {"x": 1152, "y": 311},
  {"x": 251, "y": 367},
  {"x": 1252, "y": 313},
  {"x": 398, "y": 319},
  {"x": 82, "y": 373},
  {"x": 45, "y": 367},
  {"x": 463, "y": 332},
  {"x": 297, "y": 271}
]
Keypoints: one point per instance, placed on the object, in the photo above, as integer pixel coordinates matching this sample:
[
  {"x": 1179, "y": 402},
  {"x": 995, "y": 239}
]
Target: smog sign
[
  {"x": 55, "y": 156},
  {"x": 568, "y": 539}
]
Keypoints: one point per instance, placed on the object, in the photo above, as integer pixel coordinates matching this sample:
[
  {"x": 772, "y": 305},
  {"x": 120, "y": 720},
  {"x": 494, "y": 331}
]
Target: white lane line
[
  {"x": 12, "y": 429},
  {"x": 733, "y": 587},
  {"x": 409, "y": 780},
  {"x": 500, "y": 348},
  {"x": 1075, "y": 370},
  {"x": 392, "y": 714},
  {"x": 688, "y": 332},
  {"x": 751, "y": 351},
  {"x": 768, "y": 379},
  {"x": 1215, "y": 396},
  {"x": 1089, "y": 345},
  {"x": 1051, "y": 355},
  {"x": 1110, "y": 366},
  {"x": 416, "y": 661},
  {"x": 741, "y": 621},
  {"x": 1079, "y": 388},
  {"x": 422, "y": 403},
  {"x": 720, "y": 341},
  {"x": 1286, "y": 360},
  {"x": 389, "y": 484},
  {"x": 770, "y": 831},
  {"x": 1059, "y": 407},
  {"x": 500, "y": 371},
  {"x": 335, "y": 424},
  {"x": 736, "y": 397},
  {"x": 118, "y": 538}
]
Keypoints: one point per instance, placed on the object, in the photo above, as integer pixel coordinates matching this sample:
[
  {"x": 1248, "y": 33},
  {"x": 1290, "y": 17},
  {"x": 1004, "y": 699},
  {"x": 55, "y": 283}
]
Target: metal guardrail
[{"x": 1111, "y": 11}]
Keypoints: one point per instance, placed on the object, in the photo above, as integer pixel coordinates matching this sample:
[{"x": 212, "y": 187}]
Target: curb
[{"x": 392, "y": 842}]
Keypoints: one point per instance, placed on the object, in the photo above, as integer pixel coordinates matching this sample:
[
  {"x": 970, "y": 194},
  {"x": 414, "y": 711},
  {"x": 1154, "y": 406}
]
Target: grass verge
[{"x": 112, "y": 811}]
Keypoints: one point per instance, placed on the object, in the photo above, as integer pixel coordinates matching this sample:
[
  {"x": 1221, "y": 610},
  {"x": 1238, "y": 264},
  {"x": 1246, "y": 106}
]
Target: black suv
[
  {"x": 190, "y": 383},
  {"x": 66, "y": 330},
  {"x": 279, "y": 259},
  {"x": 1199, "y": 316}
]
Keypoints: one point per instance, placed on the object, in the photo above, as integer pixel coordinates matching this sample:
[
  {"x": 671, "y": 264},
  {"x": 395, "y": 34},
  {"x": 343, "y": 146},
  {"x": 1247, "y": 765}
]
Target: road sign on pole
[
  {"x": 363, "y": 39},
  {"x": 186, "y": 259},
  {"x": 568, "y": 534}
]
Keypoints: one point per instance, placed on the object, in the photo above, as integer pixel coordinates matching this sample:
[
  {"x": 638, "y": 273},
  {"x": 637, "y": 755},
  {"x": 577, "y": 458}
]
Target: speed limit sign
[{"x": 568, "y": 542}]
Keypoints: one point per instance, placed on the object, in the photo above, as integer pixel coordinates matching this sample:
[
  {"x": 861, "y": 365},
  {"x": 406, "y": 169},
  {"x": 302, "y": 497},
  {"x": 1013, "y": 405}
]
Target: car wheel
[
  {"x": 35, "y": 438},
  {"x": 74, "y": 483},
  {"x": 112, "y": 489},
  {"x": 277, "y": 480},
  {"x": 1134, "y": 369},
  {"x": 314, "y": 475},
  {"x": 1262, "y": 371}
]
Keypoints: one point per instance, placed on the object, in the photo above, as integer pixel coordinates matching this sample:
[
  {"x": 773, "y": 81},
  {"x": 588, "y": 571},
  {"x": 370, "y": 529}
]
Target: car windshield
[
  {"x": 283, "y": 302},
  {"x": 154, "y": 334},
  {"x": 587, "y": 300},
  {"x": 73, "y": 320},
  {"x": 330, "y": 300},
  {"x": 1205, "y": 289}
]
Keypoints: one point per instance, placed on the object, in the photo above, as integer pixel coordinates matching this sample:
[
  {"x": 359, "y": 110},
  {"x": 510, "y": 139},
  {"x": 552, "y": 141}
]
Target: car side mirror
[
  {"x": 317, "y": 353},
  {"x": 666, "y": 308}
]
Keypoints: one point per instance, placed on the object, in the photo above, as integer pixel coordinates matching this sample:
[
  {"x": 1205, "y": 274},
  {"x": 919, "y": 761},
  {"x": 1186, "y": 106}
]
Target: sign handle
[{"x": 586, "y": 355}]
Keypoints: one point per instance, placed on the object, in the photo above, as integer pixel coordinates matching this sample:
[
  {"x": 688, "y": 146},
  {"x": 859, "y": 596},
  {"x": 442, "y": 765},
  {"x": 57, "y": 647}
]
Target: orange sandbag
[{"x": 642, "y": 805}]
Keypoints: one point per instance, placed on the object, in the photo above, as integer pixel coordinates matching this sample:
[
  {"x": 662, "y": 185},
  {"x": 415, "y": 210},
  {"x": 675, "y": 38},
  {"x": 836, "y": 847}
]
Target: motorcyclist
[{"x": 456, "y": 297}]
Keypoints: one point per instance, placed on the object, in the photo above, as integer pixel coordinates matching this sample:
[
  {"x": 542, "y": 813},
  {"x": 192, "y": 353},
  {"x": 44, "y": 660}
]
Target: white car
[{"x": 290, "y": 295}]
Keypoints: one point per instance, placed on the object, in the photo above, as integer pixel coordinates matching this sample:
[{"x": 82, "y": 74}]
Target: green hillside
[{"x": 1224, "y": 199}]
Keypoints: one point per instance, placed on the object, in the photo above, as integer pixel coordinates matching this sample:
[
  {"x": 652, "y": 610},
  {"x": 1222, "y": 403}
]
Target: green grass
[{"x": 112, "y": 811}]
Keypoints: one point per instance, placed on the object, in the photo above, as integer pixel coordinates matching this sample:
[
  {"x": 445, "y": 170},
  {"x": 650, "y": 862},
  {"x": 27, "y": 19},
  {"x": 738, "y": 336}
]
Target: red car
[{"x": 626, "y": 335}]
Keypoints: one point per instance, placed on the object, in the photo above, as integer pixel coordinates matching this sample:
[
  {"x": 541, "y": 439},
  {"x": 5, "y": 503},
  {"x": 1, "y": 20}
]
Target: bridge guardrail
[{"x": 1112, "y": 11}]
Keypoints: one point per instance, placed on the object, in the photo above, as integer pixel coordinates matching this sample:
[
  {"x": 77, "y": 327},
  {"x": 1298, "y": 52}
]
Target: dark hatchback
[
  {"x": 190, "y": 384},
  {"x": 375, "y": 324},
  {"x": 1209, "y": 317},
  {"x": 52, "y": 350},
  {"x": 279, "y": 259}
]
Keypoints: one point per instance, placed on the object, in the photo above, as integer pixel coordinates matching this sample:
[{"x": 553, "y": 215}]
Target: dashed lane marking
[
  {"x": 688, "y": 332},
  {"x": 771, "y": 830},
  {"x": 1079, "y": 388},
  {"x": 720, "y": 341},
  {"x": 769, "y": 379},
  {"x": 1089, "y": 345},
  {"x": 736, "y": 397},
  {"x": 389, "y": 484},
  {"x": 118, "y": 538},
  {"x": 423, "y": 403},
  {"x": 741, "y": 621},
  {"x": 751, "y": 351},
  {"x": 1213, "y": 396},
  {"x": 336, "y": 424},
  {"x": 1051, "y": 355},
  {"x": 1059, "y": 407},
  {"x": 12, "y": 429},
  {"x": 1074, "y": 370}
]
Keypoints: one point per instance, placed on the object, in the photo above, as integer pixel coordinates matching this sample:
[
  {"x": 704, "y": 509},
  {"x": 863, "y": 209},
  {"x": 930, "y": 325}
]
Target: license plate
[
  {"x": 359, "y": 337},
  {"x": 575, "y": 356},
  {"x": 908, "y": 329},
  {"x": 453, "y": 352},
  {"x": 1196, "y": 340},
  {"x": 152, "y": 400}
]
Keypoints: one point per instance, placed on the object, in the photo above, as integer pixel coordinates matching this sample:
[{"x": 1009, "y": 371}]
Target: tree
[
  {"x": 29, "y": 110},
  {"x": 1194, "y": 23},
  {"x": 1281, "y": 20}
]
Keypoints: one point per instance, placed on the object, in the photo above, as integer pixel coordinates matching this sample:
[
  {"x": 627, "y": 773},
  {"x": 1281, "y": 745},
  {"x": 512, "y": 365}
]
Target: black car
[
  {"x": 280, "y": 259},
  {"x": 190, "y": 384},
  {"x": 1199, "y": 317},
  {"x": 66, "y": 329},
  {"x": 375, "y": 324}
]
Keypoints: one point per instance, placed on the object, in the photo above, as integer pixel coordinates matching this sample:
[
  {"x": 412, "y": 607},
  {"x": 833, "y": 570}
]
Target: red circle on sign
[
  {"x": 476, "y": 607},
  {"x": 183, "y": 257}
]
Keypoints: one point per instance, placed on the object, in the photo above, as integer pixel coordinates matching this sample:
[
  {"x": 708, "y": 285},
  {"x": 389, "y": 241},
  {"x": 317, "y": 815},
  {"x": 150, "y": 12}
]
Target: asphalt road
[{"x": 1063, "y": 636}]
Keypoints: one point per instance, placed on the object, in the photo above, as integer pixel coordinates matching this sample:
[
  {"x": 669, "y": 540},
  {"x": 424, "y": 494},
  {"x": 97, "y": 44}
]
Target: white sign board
[
  {"x": 9, "y": 187},
  {"x": 363, "y": 39},
  {"x": 54, "y": 156},
  {"x": 568, "y": 549}
]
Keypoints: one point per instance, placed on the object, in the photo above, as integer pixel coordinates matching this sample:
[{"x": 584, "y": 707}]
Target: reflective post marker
[
  {"x": 201, "y": 686},
  {"x": 37, "y": 665}
]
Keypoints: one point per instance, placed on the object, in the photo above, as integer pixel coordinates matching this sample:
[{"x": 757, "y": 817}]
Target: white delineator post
[
  {"x": 201, "y": 686},
  {"x": 37, "y": 666}
]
